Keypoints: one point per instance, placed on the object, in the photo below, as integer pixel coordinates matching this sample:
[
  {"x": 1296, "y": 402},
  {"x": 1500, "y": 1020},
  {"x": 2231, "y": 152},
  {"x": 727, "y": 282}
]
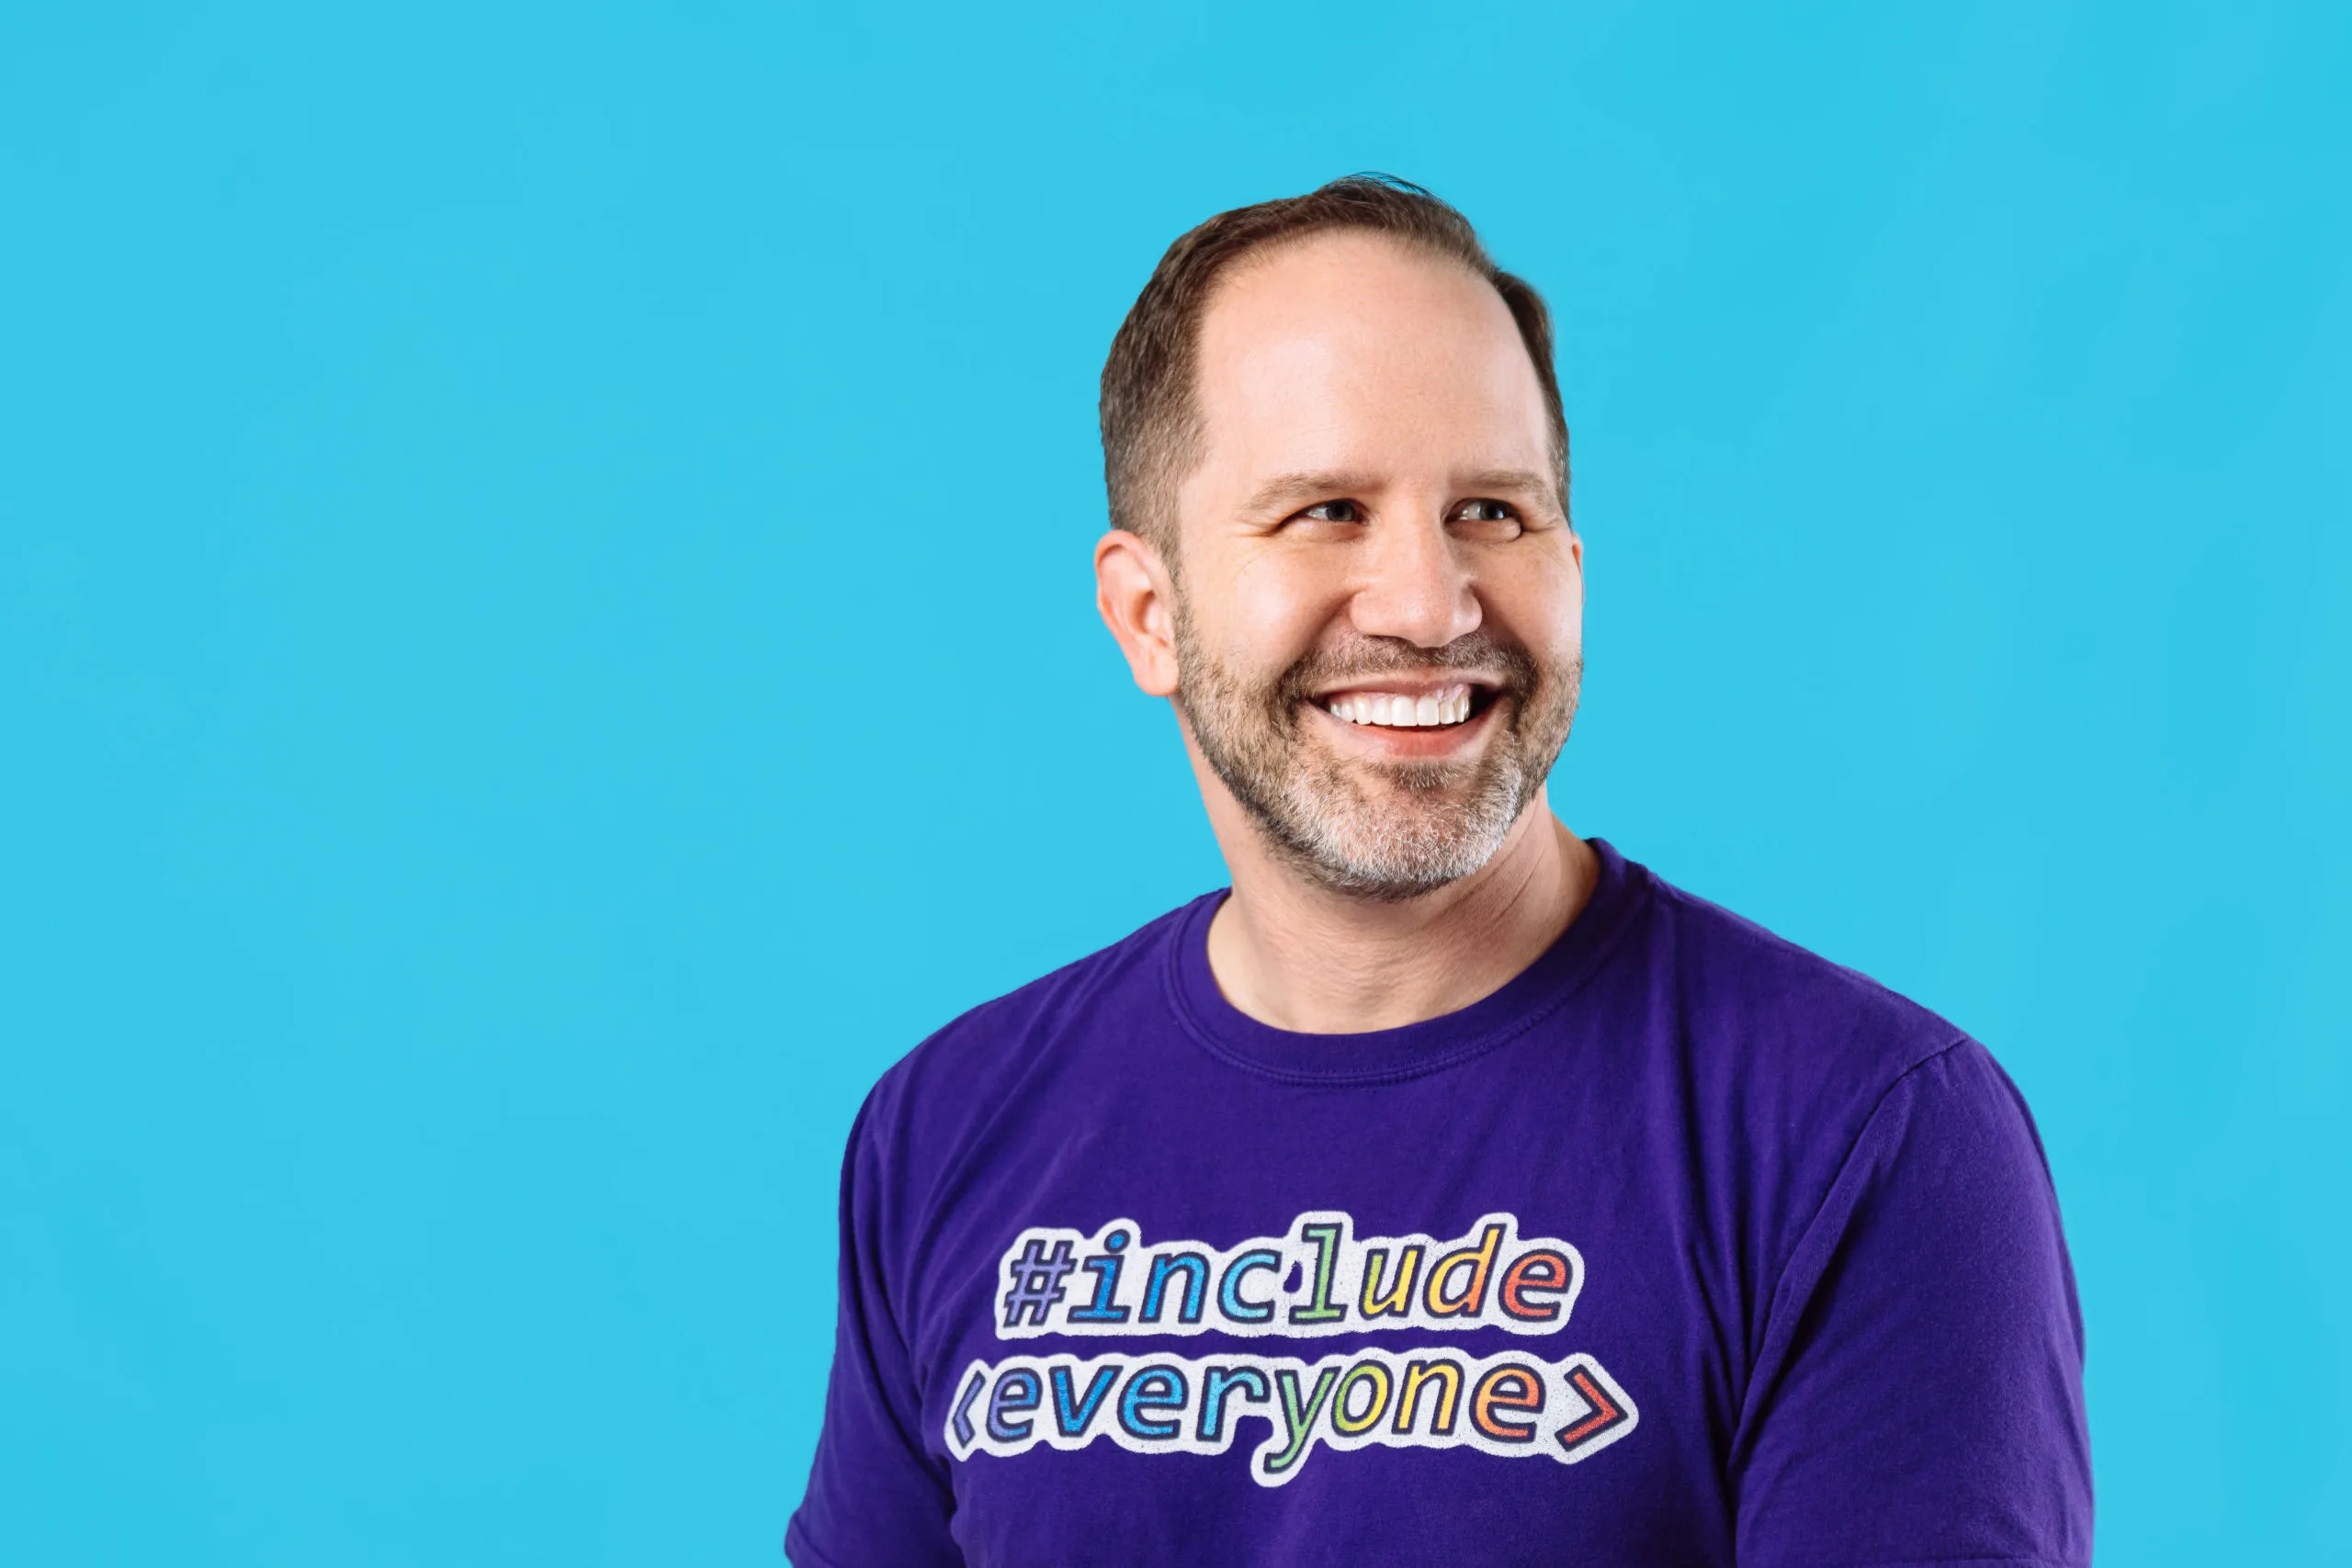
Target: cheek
[
  {"x": 1278, "y": 605},
  {"x": 1542, "y": 609}
]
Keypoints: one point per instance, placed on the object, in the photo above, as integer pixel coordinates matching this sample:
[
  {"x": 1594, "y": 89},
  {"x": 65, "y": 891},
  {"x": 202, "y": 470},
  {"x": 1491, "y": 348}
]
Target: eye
[
  {"x": 1333, "y": 512},
  {"x": 1489, "y": 519}
]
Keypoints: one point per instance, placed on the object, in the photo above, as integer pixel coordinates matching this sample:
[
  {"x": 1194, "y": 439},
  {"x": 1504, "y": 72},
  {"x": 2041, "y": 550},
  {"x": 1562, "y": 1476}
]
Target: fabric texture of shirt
[{"x": 1683, "y": 1248}]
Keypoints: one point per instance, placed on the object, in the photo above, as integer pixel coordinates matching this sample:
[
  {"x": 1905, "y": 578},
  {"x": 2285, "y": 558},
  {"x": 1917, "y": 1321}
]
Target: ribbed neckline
[{"x": 1387, "y": 1055}]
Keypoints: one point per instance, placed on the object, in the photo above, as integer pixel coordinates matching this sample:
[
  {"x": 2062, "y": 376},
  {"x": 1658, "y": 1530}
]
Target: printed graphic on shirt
[
  {"x": 1510, "y": 1405},
  {"x": 1319, "y": 1279}
]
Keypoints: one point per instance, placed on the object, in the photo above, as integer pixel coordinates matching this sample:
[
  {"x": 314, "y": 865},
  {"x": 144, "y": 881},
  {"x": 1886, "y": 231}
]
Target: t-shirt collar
[{"x": 1390, "y": 1054}]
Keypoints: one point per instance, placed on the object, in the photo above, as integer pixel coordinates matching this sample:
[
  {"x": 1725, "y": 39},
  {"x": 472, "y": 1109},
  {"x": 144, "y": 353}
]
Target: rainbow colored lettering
[
  {"x": 1320, "y": 1279},
  {"x": 1510, "y": 1405}
]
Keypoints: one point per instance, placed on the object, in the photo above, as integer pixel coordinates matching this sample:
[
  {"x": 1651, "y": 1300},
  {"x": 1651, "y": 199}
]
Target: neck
[{"x": 1292, "y": 952}]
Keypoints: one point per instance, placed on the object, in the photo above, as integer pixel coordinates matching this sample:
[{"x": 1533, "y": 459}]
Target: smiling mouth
[{"x": 1439, "y": 709}]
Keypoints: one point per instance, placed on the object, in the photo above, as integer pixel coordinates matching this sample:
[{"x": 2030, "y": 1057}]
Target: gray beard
[{"x": 1419, "y": 825}]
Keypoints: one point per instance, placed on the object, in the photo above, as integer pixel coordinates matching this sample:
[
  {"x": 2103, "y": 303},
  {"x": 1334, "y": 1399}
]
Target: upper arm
[
  {"x": 1918, "y": 1395},
  {"x": 875, "y": 1495}
]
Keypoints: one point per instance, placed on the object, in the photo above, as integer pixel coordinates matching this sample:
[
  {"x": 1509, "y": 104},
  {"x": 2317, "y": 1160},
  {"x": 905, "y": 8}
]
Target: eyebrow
[
  {"x": 1284, "y": 491},
  {"x": 1507, "y": 479}
]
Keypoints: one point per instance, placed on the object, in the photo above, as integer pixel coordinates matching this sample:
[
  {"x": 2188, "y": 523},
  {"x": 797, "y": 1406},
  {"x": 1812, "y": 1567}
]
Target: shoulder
[
  {"x": 962, "y": 1075},
  {"x": 1825, "y": 1080},
  {"x": 1794, "y": 1055},
  {"x": 1756, "y": 994}
]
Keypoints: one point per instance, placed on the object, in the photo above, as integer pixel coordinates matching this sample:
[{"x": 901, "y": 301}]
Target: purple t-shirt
[{"x": 1683, "y": 1248}]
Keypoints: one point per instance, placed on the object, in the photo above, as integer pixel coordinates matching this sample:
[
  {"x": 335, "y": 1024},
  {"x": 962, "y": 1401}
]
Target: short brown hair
[{"x": 1150, "y": 421}]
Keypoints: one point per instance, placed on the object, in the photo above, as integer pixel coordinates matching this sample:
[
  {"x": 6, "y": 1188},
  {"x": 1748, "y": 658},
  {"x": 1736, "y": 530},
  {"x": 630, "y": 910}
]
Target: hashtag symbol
[{"x": 1036, "y": 1282}]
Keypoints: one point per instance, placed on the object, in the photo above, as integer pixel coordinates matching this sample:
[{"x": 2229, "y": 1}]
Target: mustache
[{"x": 1351, "y": 660}]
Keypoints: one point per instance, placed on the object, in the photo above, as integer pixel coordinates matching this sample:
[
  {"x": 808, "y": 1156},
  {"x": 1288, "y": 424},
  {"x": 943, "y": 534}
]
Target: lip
[{"x": 1379, "y": 743}]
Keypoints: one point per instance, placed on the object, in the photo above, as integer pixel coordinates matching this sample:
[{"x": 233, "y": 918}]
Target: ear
[{"x": 1137, "y": 601}]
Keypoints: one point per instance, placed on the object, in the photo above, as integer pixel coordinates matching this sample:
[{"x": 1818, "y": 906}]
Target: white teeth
[{"x": 1394, "y": 710}]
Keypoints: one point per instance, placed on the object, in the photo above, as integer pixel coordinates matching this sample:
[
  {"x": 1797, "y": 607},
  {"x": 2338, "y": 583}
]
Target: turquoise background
[{"x": 545, "y": 637}]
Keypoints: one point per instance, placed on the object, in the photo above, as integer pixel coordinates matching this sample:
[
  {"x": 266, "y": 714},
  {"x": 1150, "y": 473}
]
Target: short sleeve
[
  {"x": 876, "y": 1499},
  {"x": 1918, "y": 1396}
]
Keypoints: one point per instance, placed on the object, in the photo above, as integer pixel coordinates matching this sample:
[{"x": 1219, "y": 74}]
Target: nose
[{"x": 1416, "y": 586}]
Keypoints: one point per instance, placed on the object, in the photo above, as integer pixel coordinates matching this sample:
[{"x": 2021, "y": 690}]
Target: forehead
[{"x": 1347, "y": 347}]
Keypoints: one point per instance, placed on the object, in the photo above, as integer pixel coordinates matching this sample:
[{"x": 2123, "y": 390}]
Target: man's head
[{"x": 1339, "y": 482}]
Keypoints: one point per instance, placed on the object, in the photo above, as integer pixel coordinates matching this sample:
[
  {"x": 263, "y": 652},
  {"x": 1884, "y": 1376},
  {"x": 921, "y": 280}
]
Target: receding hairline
[
  {"x": 1150, "y": 402},
  {"x": 1259, "y": 259},
  {"x": 1274, "y": 247}
]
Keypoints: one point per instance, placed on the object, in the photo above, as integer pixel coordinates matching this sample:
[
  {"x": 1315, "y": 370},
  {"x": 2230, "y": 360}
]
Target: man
[{"x": 1452, "y": 1189}]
